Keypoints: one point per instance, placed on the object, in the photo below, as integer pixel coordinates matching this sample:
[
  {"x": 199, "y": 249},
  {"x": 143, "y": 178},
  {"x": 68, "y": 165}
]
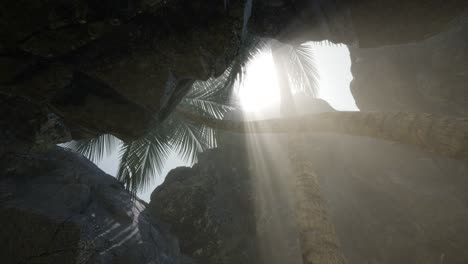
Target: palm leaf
[
  {"x": 96, "y": 148},
  {"x": 208, "y": 98},
  {"x": 303, "y": 74},
  {"x": 187, "y": 139},
  {"x": 250, "y": 48},
  {"x": 141, "y": 160},
  {"x": 298, "y": 65}
]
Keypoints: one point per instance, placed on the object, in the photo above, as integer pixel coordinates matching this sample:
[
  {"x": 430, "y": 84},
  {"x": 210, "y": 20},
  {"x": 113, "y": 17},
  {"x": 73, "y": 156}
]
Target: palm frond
[
  {"x": 325, "y": 43},
  {"x": 303, "y": 74},
  {"x": 187, "y": 139},
  {"x": 213, "y": 89},
  {"x": 211, "y": 99},
  {"x": 206, "y": 107},
  {"x": 208, "y": 98},
  {"x": 298, "y": 65},
  {"x": 96, "y": 148},
  {"x": 126, "y": 171},
  {"x": 141, "y": 160},
  {"x": 251, "y": 47}
]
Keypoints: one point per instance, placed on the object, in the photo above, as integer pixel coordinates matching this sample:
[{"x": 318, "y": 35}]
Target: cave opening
[{"x": 259, "y": 96}]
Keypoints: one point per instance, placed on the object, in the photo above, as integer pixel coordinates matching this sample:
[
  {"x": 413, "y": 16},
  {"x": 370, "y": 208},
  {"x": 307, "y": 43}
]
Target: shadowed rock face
[
  {"x": 210, "y": 209},
  {"x": 380, "y": 22},
  {"x": 58, "y": 207},
  {"x": 362, "y": 23},
  {"x": 27, "y": 127},
  {"x": 120, "y": 66},
  {"x": 428, "y": 76},
  {"x": 111, "y": 67}
]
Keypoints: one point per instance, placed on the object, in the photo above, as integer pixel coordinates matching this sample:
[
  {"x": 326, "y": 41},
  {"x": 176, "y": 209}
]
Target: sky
[
  {"x": 334, "y": 65},
  {"x": 260, "y": 90}
]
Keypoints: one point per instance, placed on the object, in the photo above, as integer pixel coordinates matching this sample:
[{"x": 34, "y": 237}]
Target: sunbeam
[{"x": 260, "y": 88}]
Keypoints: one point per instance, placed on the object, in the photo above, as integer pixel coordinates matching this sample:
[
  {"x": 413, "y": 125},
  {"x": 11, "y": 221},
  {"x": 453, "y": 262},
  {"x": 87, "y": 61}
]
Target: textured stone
[
  {"x": 120, "y": 67},
  {"x": 58, "y": 207},
  {"x": 27, "y": 126},
  {"x": 209, "y": 209},
  {"x": 113, "y": 67},
  {"x": 428, "y": 76}
]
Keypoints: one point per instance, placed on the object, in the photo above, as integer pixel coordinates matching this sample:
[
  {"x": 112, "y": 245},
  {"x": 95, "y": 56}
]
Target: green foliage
[
  {"x": 298, "y": 65},
  {"x": 94, "y": 149},
  {"x": 236, "y": 73},
  {"x": 141, "y": 160}
]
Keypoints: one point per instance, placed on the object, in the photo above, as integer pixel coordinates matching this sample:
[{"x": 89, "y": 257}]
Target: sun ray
[{"x": 260, "y": 88}]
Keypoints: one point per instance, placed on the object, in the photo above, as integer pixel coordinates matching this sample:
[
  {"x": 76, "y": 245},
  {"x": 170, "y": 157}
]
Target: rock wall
[
  {"x": 120, "y": 66},
  {"x": 58, "y": 207},
  {"x": 213, "y": 208},
  {"x": 26, "y": 126},
  {"x": 427, "y": 76},
  {"x": 111, "y": 67}
]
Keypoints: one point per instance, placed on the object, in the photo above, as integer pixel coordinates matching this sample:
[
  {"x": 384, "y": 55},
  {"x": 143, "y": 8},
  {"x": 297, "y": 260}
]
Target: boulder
[
  {"x": 209, "y": 208},
  {"x": 58, "y": 207}
]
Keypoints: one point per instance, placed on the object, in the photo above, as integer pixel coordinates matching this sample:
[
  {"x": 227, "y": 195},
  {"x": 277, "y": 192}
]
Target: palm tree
[
  {"x": 444, "y": 135},
  {"x": 318, "y": 241},
  {"x": 317, "y": 237},
  {"x": 142, "y": 159}
]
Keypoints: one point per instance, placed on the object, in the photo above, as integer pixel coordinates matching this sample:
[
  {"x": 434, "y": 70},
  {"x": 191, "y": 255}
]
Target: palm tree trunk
[
  {"x": 443, "y": 135},
  {"x": 317, "y": 237}
]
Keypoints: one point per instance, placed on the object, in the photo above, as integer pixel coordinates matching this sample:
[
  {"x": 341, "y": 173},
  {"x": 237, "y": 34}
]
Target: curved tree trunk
[
  {"x": 317, "y": 237},
  {"x": 444, "y": 135}
]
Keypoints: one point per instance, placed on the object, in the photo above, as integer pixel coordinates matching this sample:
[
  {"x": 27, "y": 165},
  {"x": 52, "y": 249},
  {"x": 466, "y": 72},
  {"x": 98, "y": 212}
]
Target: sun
[{"x": 260, "y": 87}]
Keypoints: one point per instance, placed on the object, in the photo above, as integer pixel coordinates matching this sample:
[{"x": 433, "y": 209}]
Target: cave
[{"x": 303, "y": 181}]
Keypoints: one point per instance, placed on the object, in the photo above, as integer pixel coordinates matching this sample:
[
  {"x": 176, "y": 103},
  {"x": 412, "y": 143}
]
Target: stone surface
[
  {"x": 120, "y": 67},
  {"x": 362, "y": 23},
  {"x": 113, "y": 67},
  {"x": 58, "y": 207},
  {"x": 392, "y": 203},
  {"x": 428, "y": 76},
  {"x": 26, "y": 126},
  {"x": 209, "y": 208},
  {"x": 379, "y": 23}
]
